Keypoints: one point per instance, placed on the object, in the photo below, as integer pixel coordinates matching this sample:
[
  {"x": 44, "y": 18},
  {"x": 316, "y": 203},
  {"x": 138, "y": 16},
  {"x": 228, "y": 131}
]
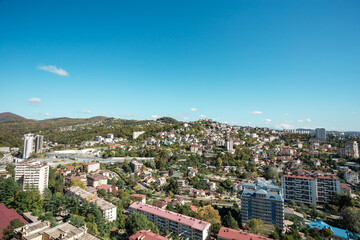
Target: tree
[
  {"x": 209, "y": 214},
  {"x": 172, "y": 186},
  {"x": 351, "y": 219},
  {"x": 77, "y": 182},
  {"x": 227, "y": 183},
  {"x": 8, "y": 189},
  {"x": 257, "y": 226},
  {"x": 10, "y": 168},
  {"x": 76, "y": 220},
  {"x": 230, "y": 222},
  {"x": 327, "y": 233},
  {"x": 271, "y": 173},
  {"x": 102, "y": 193},
  {"x": 8, "y": 232},
  {"x": 138, "y": 222},
  {"x": 219, "y": 162},
  {"x": 29, "y": 201}
]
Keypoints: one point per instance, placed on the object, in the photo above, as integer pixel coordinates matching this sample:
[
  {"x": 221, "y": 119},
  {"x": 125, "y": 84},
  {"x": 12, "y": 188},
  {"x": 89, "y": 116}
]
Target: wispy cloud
[
  {"x": 284, "y": 126},
  {"x": 50, "y": 114},
  {"x": 106, "y": 113},
  {"x": 193, "y": 109},
  {"x": 203, "y": 116},
  {"x": 155, "y": 116},
  {"x": 34, "y": 100},
  {"x": 267, "y": 121},
  {"x": 84, "y": 111},
  {"x": 256, "y": 112},
  {"x": 128, "y": 115},
  {"x": 180, "y": 116},
  {"x": 300, "y": 121},
  {"x": 354, "y": 112},
  {"x": 286, "y": 114},
  {"x": 308, "y": 120},
  {"x": 53, "y": 69}
]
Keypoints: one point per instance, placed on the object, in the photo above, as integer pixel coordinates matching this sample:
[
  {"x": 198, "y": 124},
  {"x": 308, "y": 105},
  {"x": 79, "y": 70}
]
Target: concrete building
[
  {"x": 107, "y": 209},
  {"x": 310, "y": 190},
  {"x": 136, "y": 166},
  {"x": 91, "y": 167},
  {"x": 137, "y": 134},
  {"x": 262, "y": 200},
  {"x": 351, "y": 177},
  {"x": 352, "y": 149},
  {"x": 39, "y": 143},
  {"x": 229, "y": 144},
  {"x": 33, "y": 175},
  {"x": 167, "y": 221},
  {"x": 232, "y": 234},
  {"x": 138, "y": 198},
  {"x": 96, "y": 180},
  {"x": 320, "y": 133},
  {"x": 28, "y": 145}
]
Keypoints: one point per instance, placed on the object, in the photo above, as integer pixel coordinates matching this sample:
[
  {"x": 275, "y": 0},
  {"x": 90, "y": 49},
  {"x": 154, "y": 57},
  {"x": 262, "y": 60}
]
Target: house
[
  {"x": 160, "y": 204},
  {"x": 138, "y": 198},
  {"x": 345, "y": 189},
  {"x": 161, "y": 181},
  {"x": 91, "y": 167},
  {"x": 338, "y": 232},
  {"x": 192, "y": 172},
  {"x": 108, "y": 188},
  {"x": 96, "y": 180}
]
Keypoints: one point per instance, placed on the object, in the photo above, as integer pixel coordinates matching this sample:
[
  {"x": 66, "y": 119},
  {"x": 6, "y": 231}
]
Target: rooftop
[
  {"x": 6, "y": 215},
  {"x": 175, "y": 217},
  {"x": 233, "y": 234},
  {"x": 146, "y": 235}
]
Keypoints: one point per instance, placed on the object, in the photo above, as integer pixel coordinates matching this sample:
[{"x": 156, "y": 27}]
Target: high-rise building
[
  {"x": 352, "y": 149},
  {"x": 166, "y": 221},
  {"x": 229, "y": 144},
  {"x": 28, "y": 145},
  {"x": 310, "y": 190},
  {"x": 262, "y": 200},
  {"x": 39, "y": 142},
  {"x": 32, "y": 175},
  {"x": 320, "y": 133}
]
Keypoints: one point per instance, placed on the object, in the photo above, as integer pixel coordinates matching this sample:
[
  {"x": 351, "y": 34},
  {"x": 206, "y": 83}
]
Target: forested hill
[{"x": 75, "y": 130}]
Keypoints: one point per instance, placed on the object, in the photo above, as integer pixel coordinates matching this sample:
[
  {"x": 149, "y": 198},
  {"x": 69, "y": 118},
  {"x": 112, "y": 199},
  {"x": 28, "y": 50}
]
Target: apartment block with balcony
[
  {"x": 178, "y": 224},
  {"x": 262, "y": 200},
  {"x": 32, "y": 175}
]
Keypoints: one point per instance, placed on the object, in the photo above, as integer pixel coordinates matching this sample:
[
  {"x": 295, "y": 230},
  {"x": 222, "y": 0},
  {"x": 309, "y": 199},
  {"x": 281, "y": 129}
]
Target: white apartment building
[
  {"x": 33, "y": 175},
  {"x": 309, "y": 190},
  {"x": 107, "y": 209},
  {"x": 167, "y": 221},
  {"x": 91, "y": 167},
  {"x": 351, "y": 177},
  {"x": 320, "y": 133},
  {"x": 28, "y": 145}
]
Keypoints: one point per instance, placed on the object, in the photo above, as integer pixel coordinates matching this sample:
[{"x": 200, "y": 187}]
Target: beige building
[
  {"x": 32, "y": 175},
  {"x": 91, "y": 167}
]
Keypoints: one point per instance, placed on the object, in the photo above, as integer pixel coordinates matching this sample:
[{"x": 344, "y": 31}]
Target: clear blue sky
[{"x": 281, "y": 64}]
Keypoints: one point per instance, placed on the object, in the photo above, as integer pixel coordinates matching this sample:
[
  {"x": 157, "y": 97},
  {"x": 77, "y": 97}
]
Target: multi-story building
[
  {"x": 320, "y": 133},
  {"x": 107, "y": 209},
  {"x": 262, "y": 200},
  {"x": 352, "y": 149},
  {"x": 136, "y": 166},
  {"x": 28, "y": 145},
  {"x": 232, "y": 234},
  {"x": 351, "y": 177},
  {"x": 39, "y": 142},
  {"x": 91, "y": 167},
  {"x": 32, "y": 175},
  {"x": 96, "y": 180},
  {"x": 310, "y": 190},
  {"x": 167, "y": 221},
  {"x": 229, "y": 144}
]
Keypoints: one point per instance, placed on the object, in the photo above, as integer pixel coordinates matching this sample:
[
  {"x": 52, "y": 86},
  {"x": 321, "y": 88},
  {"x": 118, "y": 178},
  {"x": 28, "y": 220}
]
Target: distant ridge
[{"x": 11, "y": 117}]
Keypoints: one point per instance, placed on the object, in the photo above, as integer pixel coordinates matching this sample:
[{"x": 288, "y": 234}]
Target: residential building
[
  {"x": 320, "y": 133},
  {"x": 309, "y": 190},
  {"x": 138, "y": 198},
  {"x": 91, "y": 167},
  {"x": 96, "y": 180},
  {"x": 137, "y": 134},
  {"x": 28, "y": 145},
  {"x": 33, "y": 175},
  {"x": 262, "y": 200},
  {"x": 352, "y": 149},
  {"x": 6, "y": 216},
  {"x": 107, "y": 209},
  {"x": 146, "y": 235},
  {"x": 339, "y": 234},
  {"x": 167, "y": 221},
  {"x": 136, "y": 166},
  {"x": 351, "y": 177},
  {"x": 229, "y": 144},
  {"x": 67, "y": 231},
  {"x": 39, "y": 142},
  {"x": 232, "y": 234}
]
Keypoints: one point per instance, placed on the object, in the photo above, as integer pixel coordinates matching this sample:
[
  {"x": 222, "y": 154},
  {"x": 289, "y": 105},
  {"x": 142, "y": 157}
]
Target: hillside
[{"x": 10, "y": 117}]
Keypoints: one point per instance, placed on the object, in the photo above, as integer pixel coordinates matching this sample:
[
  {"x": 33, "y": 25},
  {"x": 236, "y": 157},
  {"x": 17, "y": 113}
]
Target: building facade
[
  {"x": 320, "y": 133},
  {"x": 232, "y": 234},
  {"x": 39, "y": 142},
  {"x": 310, "y": 190},
  {"x": 178, "y": 224},
  {"x": 32, "y": 175},
  {"x": 28, "y": 145},
  {"x": 262, "y": 200}
]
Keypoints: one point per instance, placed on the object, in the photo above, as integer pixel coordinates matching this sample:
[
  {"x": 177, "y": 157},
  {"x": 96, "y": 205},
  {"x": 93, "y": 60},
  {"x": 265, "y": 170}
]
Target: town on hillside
[{"x": 168, "y": 179}]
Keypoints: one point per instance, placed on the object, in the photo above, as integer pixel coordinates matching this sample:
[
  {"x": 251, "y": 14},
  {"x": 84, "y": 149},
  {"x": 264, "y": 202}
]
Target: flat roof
[{"x": 175, "y": 217}]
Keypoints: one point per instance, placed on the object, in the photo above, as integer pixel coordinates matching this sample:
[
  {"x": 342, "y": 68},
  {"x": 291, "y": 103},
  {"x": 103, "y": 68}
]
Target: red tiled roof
[
  {"x": 90, "y": 163},
  {"x": 344, "y": 186},
  {"x": 6, "y": 215},
  {"x": 295, "y": 176},
  {"x": 146, "y": 235},
  {"x": 137, "y": 196},
  {"x": 175, "y": 217},
  {"x": 104, "y": 186},
  {"x": 233, "y": 234}
]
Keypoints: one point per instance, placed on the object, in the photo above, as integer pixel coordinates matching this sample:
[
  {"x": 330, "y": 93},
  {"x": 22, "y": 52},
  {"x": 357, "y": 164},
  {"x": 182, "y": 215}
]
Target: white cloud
[
  {"x": 203, "y": 116},
  {"x": 85, "y": 111},
  {"x": 50, "y": 114},
  {"x": 193, "y": 109},
  {"x": 284, "y": 126},
  {"x": 53, "y": 69},
  {"x": 155, "y": 116},
  {"x": 34, "y": 100},
  {"x": 308, "y": 120},
  {"x": 128, "y": 115},
  {"x": 354, "y": 112},
  {"x": 286, "y": 114},
  {"x": 256, "y": 112},
  {"x": 268, "y": 121},
  {"x": 180, "y": 116},
  {"x": 300, "y": 121}
]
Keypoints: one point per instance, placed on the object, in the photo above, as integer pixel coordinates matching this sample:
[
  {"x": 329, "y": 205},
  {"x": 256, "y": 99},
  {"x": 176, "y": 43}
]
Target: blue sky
[{"x": 281, "y": 64}]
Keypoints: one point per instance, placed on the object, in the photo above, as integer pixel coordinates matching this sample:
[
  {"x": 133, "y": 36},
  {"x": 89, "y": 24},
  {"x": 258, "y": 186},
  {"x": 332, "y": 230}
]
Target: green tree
[
  {"x": 219, "y": 162},
  {"x": 172, "y": 186},
  {"x": 29, "y": 201},
  {"x": 8, "y": 232},
  {"x": 138, "y": 222},
  {"x": 10, "y": 168},
  {"x": 77, "y": 182},
  {"x": 76, "y": 220},
  {"x": 351, "y": 219},
  {"x": 209, "y": 214},
  {"x": 257, "y": 226},
  {"x": 327, "y": 233},
  {"x": 230, "y": 222},
  {"x": 102, "y": 193}
]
